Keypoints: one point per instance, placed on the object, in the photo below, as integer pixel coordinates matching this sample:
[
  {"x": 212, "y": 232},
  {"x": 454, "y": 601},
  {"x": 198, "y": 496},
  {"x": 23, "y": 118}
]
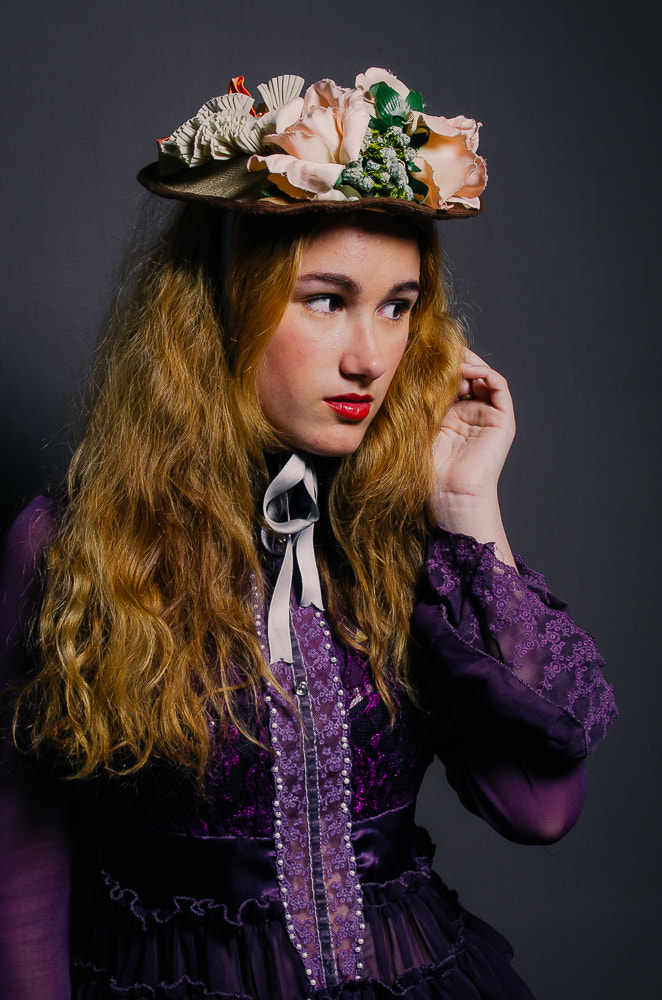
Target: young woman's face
[{"x": 331, "y": 360}]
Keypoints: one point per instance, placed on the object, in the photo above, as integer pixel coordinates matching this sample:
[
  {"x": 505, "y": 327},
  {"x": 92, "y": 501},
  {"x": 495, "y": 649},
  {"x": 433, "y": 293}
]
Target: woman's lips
[{"x": 351, "y": 406}]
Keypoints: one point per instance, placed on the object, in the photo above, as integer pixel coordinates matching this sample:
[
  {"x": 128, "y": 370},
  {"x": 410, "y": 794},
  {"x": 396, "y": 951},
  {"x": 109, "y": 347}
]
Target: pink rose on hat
[{"x": 319, "y": 135}]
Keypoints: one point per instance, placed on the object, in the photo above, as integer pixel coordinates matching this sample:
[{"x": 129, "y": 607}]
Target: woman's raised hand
[{"x": 469, "y": 453}]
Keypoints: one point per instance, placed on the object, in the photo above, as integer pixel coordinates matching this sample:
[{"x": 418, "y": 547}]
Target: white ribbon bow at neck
[{"x": 299, "y": 532}]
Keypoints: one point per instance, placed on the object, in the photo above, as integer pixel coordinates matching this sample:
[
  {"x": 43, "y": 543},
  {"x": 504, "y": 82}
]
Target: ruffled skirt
[{"x": 419, "y": 944}]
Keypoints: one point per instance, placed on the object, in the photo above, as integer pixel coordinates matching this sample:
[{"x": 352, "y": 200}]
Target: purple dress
[{"x": 302, "y": 872}]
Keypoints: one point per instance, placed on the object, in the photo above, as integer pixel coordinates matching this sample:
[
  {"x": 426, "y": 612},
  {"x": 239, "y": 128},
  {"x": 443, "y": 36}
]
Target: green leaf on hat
[
  {"x": 380, "y": 125},
  {"x": 418, "y": 187},
  {"x": 415, "y": 100},
  {"x": 347, "y": 189},
  {"x": 388, "y": 103}
]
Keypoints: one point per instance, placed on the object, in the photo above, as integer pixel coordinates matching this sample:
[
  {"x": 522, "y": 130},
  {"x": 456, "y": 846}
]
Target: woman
[{"x": 229, "y": 719}]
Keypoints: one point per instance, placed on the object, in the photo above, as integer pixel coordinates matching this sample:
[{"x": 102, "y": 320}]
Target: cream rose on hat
[
  {"x": 319, "y": 136},
  {"x": 448, "y": 162}
]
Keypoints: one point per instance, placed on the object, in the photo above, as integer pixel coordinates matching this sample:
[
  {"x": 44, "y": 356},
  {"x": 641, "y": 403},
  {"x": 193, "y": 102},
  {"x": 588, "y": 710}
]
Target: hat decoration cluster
[{"x": 333, "y": 144}]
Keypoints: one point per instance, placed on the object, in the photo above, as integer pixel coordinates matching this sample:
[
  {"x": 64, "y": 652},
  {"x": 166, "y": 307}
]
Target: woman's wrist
[{"x": 479, "y": 517}]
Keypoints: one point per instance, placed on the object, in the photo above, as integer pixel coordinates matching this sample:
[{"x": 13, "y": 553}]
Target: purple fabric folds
[
  {"x": 500, "y": 630},
  {"x": 185, "y": 896},
  {"x": 418, "y": 941},
  {"x": 533, "y": 697},
  {"x": 34, "y": 822}
]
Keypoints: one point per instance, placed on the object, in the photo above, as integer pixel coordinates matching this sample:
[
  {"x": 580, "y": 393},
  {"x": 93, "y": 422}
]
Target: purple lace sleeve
[
  {"x": 516, "y": 642},
  {"x": 34, "y": 831},
  {"x": 529, "y": 682}
]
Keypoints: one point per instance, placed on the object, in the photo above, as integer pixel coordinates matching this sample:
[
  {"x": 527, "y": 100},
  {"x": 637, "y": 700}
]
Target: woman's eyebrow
[
  {"x": 406, "y": 286},
  {"x": 344, "y": 281},
  {"x": 329, "y": 278}
]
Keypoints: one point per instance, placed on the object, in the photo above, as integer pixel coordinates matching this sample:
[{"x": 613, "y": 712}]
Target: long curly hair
[{"x": 146, "y": 628}]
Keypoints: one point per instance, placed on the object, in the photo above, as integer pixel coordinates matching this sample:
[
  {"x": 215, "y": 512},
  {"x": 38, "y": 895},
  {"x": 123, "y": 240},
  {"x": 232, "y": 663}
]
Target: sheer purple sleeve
[
  {"x": 533, "y": 701},
  {"x": 34, "y": 824}
]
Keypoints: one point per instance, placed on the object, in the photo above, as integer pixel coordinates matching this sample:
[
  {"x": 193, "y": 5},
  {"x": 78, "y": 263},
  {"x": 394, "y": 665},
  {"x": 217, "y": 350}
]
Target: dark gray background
[{"x": 559, "y": 279}]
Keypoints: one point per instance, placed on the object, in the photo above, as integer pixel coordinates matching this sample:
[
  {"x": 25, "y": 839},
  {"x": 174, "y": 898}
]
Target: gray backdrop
[{"x": 559, "y": 279}]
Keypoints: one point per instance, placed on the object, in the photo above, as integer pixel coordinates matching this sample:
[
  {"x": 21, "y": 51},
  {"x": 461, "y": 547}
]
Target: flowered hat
[{"x": 334, "y": 148}]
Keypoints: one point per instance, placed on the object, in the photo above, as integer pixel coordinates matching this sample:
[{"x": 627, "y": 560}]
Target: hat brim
[{"x": 211, "y": 182}]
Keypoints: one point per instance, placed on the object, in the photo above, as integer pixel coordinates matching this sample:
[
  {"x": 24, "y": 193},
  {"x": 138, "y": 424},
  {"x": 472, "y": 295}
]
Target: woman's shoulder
[
  {"x": 26, "y": 540},
  {"x": 25, "y": 543},
  {"x": 31, "y": 531}
]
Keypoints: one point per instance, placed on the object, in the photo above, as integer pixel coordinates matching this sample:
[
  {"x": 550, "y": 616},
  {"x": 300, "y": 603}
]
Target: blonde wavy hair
[{"x": 146, "y": 628}]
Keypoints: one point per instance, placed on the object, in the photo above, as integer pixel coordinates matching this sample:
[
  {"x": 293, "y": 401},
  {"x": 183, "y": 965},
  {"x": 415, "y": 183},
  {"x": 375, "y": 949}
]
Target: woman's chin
[
  {"x": 335, "y": 441},
  {"x": 337, "y": 445}
]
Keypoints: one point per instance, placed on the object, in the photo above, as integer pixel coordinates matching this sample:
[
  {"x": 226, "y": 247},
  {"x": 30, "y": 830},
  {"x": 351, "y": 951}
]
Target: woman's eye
[
  {"x": 324, "y": 303},
  {"x": 397, "y": 308}
]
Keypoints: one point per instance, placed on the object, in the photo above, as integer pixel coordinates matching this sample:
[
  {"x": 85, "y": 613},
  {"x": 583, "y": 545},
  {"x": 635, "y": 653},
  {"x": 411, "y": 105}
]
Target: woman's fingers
[
  {"x": 470, "y": 357},
  {"x": 481, "y": 382},
  {"x": 477, "y": 371}
]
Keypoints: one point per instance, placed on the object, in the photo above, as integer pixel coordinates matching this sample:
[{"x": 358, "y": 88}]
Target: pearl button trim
[{"x": 301, "y": 690}]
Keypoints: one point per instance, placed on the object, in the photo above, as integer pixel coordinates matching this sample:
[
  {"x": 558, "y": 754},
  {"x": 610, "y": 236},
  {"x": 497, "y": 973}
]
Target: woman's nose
[{"x": 362, "y": 357}]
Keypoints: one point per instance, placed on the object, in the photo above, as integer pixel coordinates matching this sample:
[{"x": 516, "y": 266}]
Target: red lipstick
[{"x": 351, "y": 406}]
